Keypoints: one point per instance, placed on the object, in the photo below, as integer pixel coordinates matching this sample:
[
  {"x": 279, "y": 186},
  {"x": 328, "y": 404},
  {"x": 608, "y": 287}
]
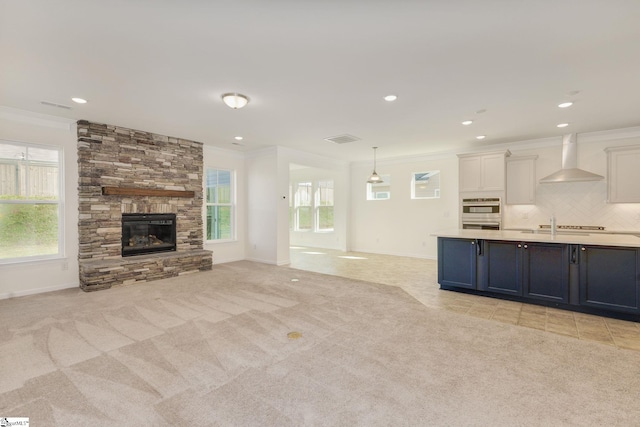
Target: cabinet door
[
  {"x": 457, "y": 262},
  {"x": 470, "y": 172},
  {"x": 521, "y": 181},
  {"x": 623, "y": 174},
  {"x": 546, "y": 271},
  {"x": 609, "y": 278},
  {"x": 492, "y": 177},
  {"x": 501, "y": 270}
]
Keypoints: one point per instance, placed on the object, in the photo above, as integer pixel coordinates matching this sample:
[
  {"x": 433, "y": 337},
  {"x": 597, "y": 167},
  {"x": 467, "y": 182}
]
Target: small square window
[
  {"x": 380, "y": 190},
  {"x": 425, "y": 185}
]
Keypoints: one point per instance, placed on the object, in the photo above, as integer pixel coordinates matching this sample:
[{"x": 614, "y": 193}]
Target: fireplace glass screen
[{"x": 148, "y": 233}]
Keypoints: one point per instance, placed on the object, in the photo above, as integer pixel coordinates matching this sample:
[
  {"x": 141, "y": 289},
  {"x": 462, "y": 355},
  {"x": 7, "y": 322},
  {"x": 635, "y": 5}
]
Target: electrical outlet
[{"x": 65, "y": 266}]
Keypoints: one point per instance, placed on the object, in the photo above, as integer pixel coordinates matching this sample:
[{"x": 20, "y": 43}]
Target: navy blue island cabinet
[
  {"x": 609, "y": 278},
  {"x": 533, "y": 270},
  {"x": 457, "y": 260},
  {"x": 594, "y": 279}
]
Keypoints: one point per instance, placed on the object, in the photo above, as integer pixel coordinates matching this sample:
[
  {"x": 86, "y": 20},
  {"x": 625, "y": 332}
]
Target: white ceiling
[{"x": 320, "y": 68}]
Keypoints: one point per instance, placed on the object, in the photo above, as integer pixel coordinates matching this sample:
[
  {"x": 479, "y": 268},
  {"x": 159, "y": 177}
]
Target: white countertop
[{"x": 580, "y": 238}]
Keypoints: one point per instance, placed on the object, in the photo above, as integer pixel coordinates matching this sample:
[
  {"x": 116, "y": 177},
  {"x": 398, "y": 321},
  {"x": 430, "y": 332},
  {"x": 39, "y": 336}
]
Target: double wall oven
[{"x": 484, "y": 213}]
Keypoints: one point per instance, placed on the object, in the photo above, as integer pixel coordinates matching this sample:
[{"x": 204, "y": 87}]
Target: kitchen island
[{"x": 594, "y": 273}]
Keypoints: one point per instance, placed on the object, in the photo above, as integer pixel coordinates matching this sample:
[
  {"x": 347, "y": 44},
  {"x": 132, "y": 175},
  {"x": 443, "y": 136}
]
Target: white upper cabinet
[
  {"x": 521, "y": 180},
  {"x": 482, "y": 172},
  {"x": 623, "y": 174}
]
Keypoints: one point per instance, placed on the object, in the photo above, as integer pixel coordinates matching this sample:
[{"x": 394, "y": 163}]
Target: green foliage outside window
[
  {"x": 28, "y": 230},
  {"x": 219, "y": 200},
  {"x": 219, "y": 222},
  {"x": 305, "y": 219},
  {"x": 29, "y": 200},
  {"x": 325, "y": 217}
]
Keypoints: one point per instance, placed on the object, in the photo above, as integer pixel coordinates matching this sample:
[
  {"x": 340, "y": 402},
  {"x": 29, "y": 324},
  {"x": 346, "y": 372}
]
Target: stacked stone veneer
[{"x": 112, "y": 156}]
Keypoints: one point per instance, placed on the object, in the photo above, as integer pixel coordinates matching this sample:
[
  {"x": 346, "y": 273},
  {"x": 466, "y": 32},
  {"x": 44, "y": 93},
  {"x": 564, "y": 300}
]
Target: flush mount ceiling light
[
  {"x": 374, "y": 178},
  {"x": 481, "y": 136},
  {"x": 79, "y": 100},
  {"x": 562, "y": 125},
  {"x": 467, "y": 122},
  {"x": 235, "y": 100},
  {"x": 238, "y": 138},
  {"x": 565, "y": 104},
  {"x": 390, "y": 98}
]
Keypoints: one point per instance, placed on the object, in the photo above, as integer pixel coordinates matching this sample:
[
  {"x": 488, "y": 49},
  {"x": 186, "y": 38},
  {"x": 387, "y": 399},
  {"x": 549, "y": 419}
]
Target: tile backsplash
[{"x": 574, "y": 203}]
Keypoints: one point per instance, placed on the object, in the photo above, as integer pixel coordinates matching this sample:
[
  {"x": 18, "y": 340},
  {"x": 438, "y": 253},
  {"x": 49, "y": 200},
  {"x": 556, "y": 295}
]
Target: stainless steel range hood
[{"x": 570, "y": 171}]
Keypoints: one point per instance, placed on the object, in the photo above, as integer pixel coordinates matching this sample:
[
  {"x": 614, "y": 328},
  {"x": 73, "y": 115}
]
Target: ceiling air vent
[
  {"x": 342, "y": 139},
  {"x": 53, "y": 104}
]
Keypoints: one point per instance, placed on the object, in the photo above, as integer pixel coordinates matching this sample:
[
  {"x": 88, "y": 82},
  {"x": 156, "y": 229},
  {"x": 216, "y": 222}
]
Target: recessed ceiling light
[
  {"x": 481, "y": 136},
  {"x": 390, "y": 98},
  {"x": 237, "y": 138},
  {"x": 565, "y": 104},
  {"x": 563, "y": 125},
  {"x": 467, "y": 122},
  {"x": 79, "y": 100}
]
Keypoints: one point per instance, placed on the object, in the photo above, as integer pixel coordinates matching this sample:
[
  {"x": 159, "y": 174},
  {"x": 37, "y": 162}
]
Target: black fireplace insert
[{"x": 148, "y": 233}]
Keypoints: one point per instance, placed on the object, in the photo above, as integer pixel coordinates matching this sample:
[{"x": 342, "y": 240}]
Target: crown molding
[{"x": 38, "y": 119}]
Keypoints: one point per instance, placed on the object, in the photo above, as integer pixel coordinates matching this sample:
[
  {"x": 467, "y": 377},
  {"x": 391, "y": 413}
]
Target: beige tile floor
[{"x": 418, "y": 277}]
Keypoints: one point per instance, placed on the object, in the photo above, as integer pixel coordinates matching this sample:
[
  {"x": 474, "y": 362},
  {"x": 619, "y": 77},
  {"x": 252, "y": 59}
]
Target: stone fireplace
[{"x": 135, "y": 177}]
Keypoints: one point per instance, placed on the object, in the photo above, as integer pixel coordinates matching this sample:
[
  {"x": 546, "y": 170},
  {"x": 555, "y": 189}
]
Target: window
[
  {"x": 380, "y": 190},
  {"x": 312, "y": 206},
  {"x": 425, "y": 185},
  {"x": 324, "y": 206},
  {"x": 31, "y": 214},
  {"x": 302, "y": 203},
  {"x": 220, "y": 205}
]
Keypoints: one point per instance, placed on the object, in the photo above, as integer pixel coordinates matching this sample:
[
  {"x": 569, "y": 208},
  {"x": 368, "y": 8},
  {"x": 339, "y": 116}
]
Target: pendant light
[{"x": 374, "y": 178}]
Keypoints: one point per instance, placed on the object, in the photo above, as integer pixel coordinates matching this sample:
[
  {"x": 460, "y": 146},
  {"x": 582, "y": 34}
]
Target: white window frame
[
  {"x": 380, "y": 195},
  {"x": 231, "y": 204},
  {"x": 318, "y": 206},
  {"x": 297, "y": 206},
  {"x": 60, "y": 203},
  {"x": 414, "y": 183},
  {"x": 314, "y": 205}
]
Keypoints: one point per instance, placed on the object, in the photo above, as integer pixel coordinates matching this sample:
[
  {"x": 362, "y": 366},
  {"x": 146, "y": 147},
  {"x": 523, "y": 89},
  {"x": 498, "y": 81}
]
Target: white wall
[
  {"x": 576, "y": 203},
  {"x": 402, "y": 226},
  {"x": 34, "y": 277},
  {"x": 230, "y": 160},
  {"x": 262, "y": 205}
]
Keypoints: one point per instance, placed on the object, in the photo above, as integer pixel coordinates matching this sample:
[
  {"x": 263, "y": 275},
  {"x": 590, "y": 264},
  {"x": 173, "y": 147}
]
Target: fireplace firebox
[{"x": 148, "y": 233}]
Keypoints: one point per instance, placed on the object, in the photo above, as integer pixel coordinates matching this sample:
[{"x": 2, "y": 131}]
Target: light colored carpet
[{"x": 211, "y": 349}]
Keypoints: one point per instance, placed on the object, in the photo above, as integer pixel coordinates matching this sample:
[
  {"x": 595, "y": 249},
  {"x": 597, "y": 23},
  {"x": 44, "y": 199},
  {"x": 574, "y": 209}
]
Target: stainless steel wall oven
[{"x": 484, "y": 213}]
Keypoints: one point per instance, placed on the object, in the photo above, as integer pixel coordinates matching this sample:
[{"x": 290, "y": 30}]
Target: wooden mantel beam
[{"x": 129, "y": 191}]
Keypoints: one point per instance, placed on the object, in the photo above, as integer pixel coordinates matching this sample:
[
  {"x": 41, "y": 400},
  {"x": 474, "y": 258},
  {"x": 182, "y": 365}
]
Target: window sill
[
  {"x": 12, "y": 262},
  {"x": 219, "y": 241}
]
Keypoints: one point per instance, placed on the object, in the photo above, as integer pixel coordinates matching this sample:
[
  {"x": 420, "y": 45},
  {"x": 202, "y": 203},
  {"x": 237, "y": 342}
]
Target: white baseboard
[
  {"x": 26, "y": 292},
  {"x": 403, "y": 254},
  {"x": 263, "y": 261},
  {"x": 224, "y": 261}
]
